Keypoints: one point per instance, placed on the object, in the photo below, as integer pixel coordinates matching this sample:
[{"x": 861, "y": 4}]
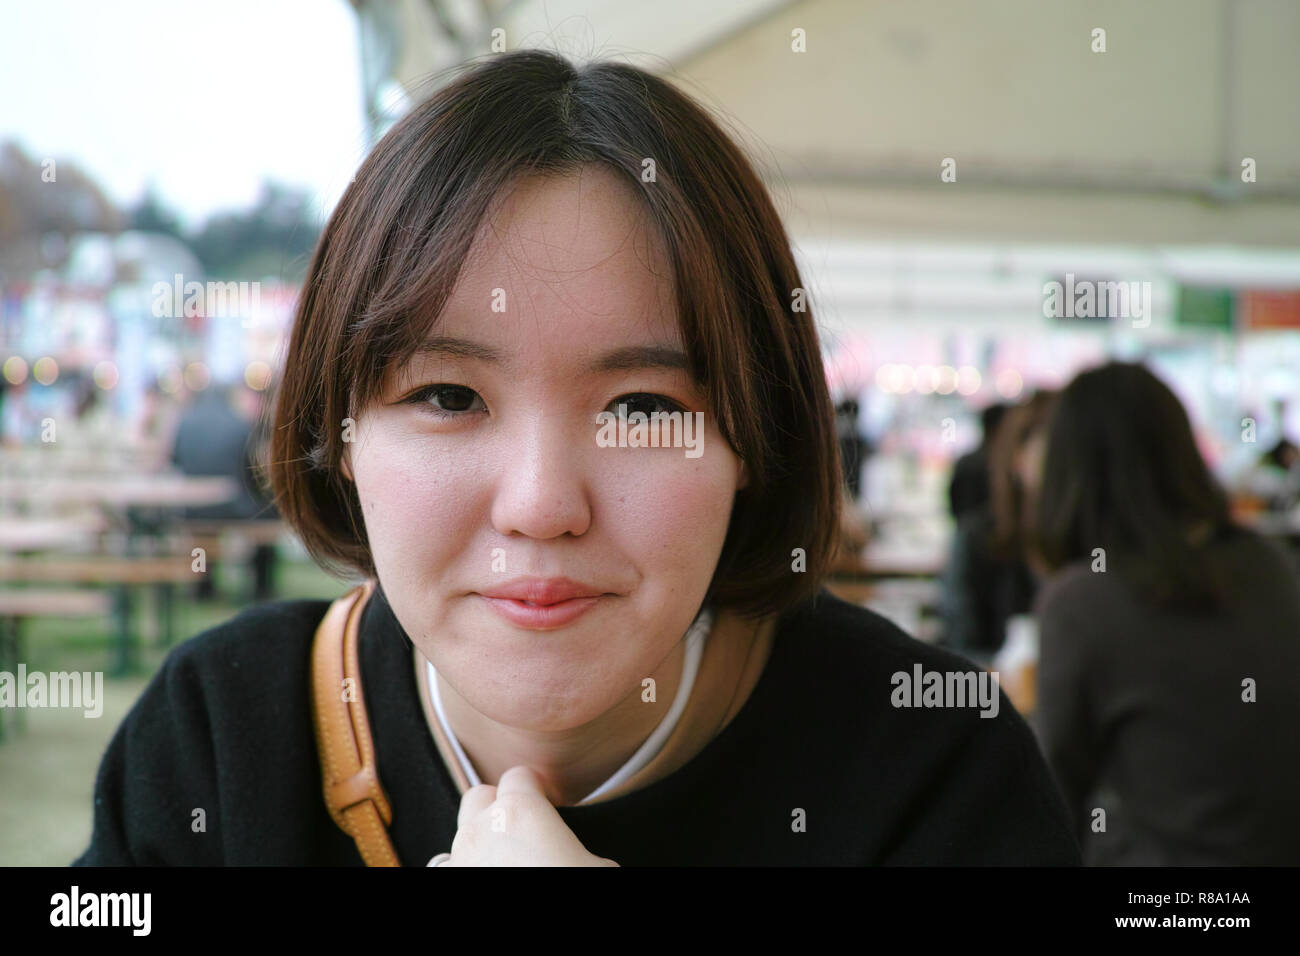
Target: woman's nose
[{"x": 542, "y": 491}]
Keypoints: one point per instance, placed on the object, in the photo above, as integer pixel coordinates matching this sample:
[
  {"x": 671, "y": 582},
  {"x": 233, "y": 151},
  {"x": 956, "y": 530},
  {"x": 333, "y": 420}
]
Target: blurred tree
[
  {"x": 275, "y": 237},
  {"x": 48, "y": 196},
  {"x": 150, "y": 215}
]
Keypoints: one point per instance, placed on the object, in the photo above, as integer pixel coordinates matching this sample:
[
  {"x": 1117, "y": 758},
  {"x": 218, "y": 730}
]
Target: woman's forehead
[
  {"x": 575, "y": 254},
  {"x": 563, "y": 224},
  {"x": 575, "y": 340}
]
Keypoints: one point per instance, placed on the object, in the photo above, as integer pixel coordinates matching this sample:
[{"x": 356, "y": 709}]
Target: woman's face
[{"x": 564, "y": 309}]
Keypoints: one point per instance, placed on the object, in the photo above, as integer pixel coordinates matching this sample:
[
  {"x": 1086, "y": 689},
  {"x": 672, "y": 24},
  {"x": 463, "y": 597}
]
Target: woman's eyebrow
[
  {"x": 628, "y": 358},
  {"x": 635, "y": 357},
  {"x": 460, "y": 348}
]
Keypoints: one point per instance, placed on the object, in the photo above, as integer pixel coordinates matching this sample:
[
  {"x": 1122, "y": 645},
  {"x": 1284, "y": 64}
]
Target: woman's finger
[
  {"x": 522, "y": 779},
  {"x": 475, "y": 800}
]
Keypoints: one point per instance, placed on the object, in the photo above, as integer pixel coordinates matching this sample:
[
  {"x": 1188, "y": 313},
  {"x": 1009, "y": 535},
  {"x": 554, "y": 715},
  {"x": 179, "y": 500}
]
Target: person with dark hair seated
[
  {"x": 1169, "y": 669},
  {"x": 563, "y": 422},
  {"x": 212, "y": 438}
]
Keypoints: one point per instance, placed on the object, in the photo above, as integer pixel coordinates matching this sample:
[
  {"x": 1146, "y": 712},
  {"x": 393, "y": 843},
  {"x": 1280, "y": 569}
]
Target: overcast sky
[{"x": 205, "y": 98}]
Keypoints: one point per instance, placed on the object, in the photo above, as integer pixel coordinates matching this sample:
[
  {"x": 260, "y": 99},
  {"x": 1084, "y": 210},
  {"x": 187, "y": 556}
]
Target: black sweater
[{"x": 225, "y": 727}]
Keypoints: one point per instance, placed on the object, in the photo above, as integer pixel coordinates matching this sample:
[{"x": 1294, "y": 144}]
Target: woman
[
  {"x": 1169, "y": 671},
  {"x": 581, "y": 646}
]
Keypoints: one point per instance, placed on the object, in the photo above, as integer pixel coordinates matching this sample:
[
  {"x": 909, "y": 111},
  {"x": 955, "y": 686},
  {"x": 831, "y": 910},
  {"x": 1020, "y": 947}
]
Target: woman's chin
[{"x": 525, "y": 709}]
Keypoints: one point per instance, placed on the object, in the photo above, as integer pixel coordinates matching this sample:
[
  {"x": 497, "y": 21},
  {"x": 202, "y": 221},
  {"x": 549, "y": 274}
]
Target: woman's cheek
[
  {"x": 676, "y": 508},
  {"x": 413, "y": 508}
]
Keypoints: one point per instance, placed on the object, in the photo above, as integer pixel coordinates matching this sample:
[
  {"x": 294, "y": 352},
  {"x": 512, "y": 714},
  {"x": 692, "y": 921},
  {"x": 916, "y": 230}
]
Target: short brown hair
[{"x": 393, "y": 249}]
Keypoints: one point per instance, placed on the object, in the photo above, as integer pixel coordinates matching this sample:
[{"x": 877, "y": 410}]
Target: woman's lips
[{"x": 541, "y": 617}]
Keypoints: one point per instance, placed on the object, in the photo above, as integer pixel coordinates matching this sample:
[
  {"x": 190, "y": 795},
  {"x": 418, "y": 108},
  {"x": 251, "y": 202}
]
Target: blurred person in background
[
  {"x": 988, "y": 578},
  {"x": 26, "y": 406},
  {"x": 154, "y": 428},
  {"x": 853, "y": 447},
  {"x": 14, "y": 430},
  {"x": 91, "y": 433},
  {"x": 854, "y": 523},
  {"x": 213, "y": 438},
  {"x": 1274, "y": 479},
  {"x": 1261, "y": 482},
  {"x": 969, "y": 489},
  {"x": 5, "y": 405},
  {"x": 1169, "y": 668}
]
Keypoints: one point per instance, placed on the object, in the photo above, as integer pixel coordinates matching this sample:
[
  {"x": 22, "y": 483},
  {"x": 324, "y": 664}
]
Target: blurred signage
[
  {"x": 1204, "y": 307},
  {"x": 1272, "y": 309}
]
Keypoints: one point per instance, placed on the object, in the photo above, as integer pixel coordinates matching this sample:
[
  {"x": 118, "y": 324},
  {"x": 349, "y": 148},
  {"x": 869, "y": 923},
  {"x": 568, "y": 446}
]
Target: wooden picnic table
[
  {"x": 98, "y": 569},
  {"x": 19, "y": 533},
  {"x": 163, "y": 491},
  {"x": 121, "y": 573},
  {"x": 139, "y": 501},
  {"x": 44, "y": 602}
]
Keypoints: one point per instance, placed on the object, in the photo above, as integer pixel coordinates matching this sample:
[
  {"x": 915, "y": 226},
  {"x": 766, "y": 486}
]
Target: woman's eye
[
  {"x": 448, "y": 400},
  {"x": 644, "y": 402}
]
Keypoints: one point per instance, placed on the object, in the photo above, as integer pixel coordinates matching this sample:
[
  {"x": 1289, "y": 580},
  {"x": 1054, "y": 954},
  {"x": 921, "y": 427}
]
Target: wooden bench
[
  {"x": 19, "y": 533},
  {"x": 121, "y": 573},
  {"x": 47, "y": 603},
  {"x": 256, "y": 530},
  {"x": 236, "y": 541},
  {"x": 215, "y": 536},
  {"x": 96, "y": 569},
  {"x": 18, "y": 604}
]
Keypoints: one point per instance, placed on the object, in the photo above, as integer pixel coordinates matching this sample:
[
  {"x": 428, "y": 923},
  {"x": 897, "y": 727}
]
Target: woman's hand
[{"x": 513, "y": 824}]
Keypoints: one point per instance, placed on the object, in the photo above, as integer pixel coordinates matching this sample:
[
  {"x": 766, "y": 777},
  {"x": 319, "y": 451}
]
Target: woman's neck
[{"x": 572, "y": 762}]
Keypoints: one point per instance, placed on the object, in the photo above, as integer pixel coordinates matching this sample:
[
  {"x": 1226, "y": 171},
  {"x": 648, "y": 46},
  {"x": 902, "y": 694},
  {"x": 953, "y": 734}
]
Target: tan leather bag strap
[{"x": 353, "y": 794}]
